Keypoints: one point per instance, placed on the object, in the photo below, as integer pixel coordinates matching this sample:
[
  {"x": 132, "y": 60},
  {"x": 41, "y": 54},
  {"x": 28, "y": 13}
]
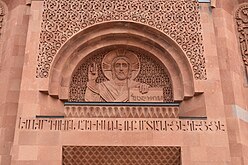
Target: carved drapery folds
[
  {"x": 121, "y": 76},
  {"x": 242, "y": 27},
  {"x": 179, "y": 19}
]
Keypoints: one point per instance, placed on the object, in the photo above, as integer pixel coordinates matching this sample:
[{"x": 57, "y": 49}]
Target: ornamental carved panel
[
  {"x": 121, "y": 155},
  {"x": 1, "y": 16},
  {"x": 120, "y": 75},
  {"x": 242, "y": 28},
  {"x": 123, "y": 111},
  {"x": 2, "y": 13},
  {"x": 178, "y": 19}
]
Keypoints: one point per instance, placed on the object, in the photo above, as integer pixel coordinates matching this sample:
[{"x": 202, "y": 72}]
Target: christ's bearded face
[{"x": 121, "y": 69}]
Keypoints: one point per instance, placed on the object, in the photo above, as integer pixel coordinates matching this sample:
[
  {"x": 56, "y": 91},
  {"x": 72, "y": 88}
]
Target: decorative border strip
[
  {"x": 242, "y": 28},
  {"x": 122, "y": 111},
  {"x": 2, "y": 13}
]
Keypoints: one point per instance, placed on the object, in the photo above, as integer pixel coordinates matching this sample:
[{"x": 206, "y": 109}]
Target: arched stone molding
[{"x": 124, "y": 34}]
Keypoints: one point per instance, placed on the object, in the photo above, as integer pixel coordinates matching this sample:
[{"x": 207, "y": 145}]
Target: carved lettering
[
  {"x": 153, "y": 95},
  {"x": 161, "y": 125}
]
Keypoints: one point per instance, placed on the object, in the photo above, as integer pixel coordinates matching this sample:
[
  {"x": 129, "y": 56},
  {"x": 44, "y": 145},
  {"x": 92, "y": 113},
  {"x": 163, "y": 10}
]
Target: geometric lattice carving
[
  {"x": 122, "y": 111},
  {"x": 242, "y": 27},
  {"x": 151, "y": 73},
  {"x": 121, "y": 155},
  {"x": 179, "y": 19}
]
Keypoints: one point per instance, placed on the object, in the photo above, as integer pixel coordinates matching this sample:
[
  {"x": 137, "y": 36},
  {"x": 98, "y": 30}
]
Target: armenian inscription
[
  {"x": 154, "y": 95},
  {"x": 124, "y": 125}
]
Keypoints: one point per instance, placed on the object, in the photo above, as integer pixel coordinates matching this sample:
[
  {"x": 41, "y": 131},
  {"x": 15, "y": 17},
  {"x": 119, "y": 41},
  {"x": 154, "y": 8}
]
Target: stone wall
[
  {"x": 12, "y": 42},
  {"x": 39, "y": 56},
  {"x": 233, "y": 77}
]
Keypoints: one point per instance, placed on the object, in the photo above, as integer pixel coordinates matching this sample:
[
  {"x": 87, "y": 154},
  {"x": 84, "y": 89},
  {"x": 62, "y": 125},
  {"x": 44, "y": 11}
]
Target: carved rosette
[
  {"x": 242, "y": 28},
  {"x": 179, "y": 19}
]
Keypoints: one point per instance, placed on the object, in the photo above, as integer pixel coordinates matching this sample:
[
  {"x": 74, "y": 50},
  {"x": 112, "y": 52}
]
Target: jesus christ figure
[{"x": 119, "y": 84}]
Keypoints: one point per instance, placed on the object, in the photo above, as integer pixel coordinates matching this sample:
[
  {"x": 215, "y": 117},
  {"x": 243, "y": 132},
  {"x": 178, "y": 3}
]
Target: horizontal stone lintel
[{"x": 120, "y": 125}]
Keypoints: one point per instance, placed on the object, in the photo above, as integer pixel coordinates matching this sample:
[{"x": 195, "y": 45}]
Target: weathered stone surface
[{"x": 123, "y": 82}]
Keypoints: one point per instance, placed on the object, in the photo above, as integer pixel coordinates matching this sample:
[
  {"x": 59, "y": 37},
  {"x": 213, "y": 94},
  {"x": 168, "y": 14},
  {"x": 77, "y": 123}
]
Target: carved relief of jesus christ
[{"x": 120, "y": 67}]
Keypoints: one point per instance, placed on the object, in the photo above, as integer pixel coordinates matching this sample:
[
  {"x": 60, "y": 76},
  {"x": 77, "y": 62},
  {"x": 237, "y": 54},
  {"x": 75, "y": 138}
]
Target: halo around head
[{"x": 109, "y": 57}]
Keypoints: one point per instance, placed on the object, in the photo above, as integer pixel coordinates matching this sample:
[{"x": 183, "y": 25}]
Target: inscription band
[{"x": 124, "y": 125}]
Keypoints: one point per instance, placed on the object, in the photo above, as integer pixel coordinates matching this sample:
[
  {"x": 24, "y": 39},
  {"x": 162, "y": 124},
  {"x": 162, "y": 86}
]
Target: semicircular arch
[{"x": 131, "y": 35}]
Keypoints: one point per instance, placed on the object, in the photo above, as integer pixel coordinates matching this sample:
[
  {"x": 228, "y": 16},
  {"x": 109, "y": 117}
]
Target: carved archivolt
[
  {"x": 178, "y": 19},
  {"x": 242, "y": 27}
]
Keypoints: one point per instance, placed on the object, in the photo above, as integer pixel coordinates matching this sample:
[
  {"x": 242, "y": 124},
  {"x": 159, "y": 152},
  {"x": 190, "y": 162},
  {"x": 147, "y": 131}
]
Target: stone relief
[
  {"x": 120, "y": 67},
  {"x": 120, "y": 76},
  {"x": 121, "y": 111},
  {"x": 121, "y": 124},
  {"x": 2, "y": 13},
  {"x": 242, "y": 27},
  {"x": 179, "y": 19}
]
